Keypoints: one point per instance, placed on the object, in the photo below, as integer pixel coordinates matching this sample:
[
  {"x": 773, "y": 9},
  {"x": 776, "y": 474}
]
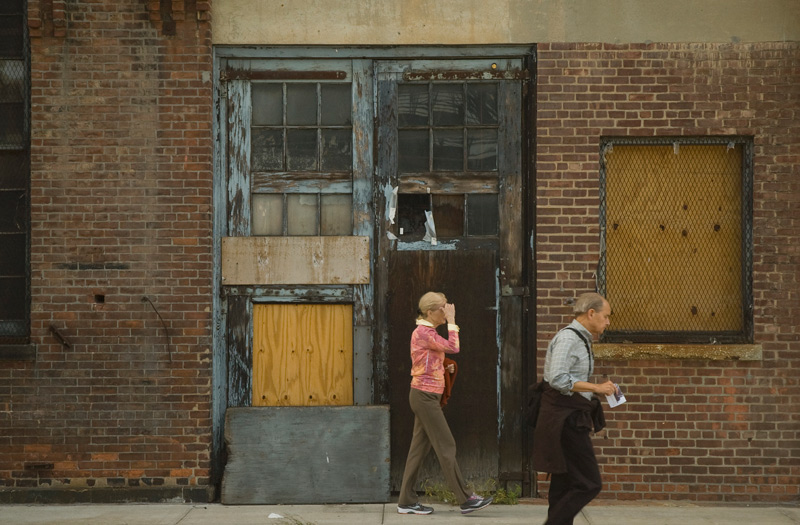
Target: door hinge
[{"x": 514, "y": 291}]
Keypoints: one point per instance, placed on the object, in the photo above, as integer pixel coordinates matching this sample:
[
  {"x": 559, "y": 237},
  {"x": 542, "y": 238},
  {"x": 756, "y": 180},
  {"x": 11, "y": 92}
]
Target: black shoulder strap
[{"x": 585, "y": 342}]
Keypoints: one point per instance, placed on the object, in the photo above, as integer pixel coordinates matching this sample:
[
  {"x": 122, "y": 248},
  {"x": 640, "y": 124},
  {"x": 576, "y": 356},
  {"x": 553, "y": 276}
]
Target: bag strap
[{"x": 585, "y": 342}]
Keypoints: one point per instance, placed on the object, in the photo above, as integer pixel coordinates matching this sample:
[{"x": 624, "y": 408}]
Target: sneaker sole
[
  {"x": 411, "y": 511},
  {"x": 467, "y": 511}
]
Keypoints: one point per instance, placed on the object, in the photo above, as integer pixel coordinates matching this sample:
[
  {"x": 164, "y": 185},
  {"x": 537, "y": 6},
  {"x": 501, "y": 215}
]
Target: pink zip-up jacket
[{"x": 427, "y": 356}]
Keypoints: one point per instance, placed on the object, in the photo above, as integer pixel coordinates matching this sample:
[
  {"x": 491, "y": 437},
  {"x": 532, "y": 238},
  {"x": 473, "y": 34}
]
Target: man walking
[{"x": 562, "y": 442}]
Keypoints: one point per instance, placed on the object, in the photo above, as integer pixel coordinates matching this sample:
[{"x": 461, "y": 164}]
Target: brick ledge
[
  {"x": 106, "y": 495},
  {"x": 628, "y": 351}
]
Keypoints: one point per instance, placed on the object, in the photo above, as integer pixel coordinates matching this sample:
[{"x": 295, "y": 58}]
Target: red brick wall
[
  {"x": 691, "y": 430},
  {"x": 121, "y": 193}
]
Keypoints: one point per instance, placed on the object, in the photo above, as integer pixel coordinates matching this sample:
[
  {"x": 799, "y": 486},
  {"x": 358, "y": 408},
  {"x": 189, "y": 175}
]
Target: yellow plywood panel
[
  {"x": 295, "y": 260},
  {"x": 302, "y": 354},
  {"x": 674, "y": 237}
]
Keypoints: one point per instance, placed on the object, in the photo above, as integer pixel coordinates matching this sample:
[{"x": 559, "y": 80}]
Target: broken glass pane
[
  {"x": 448, "y": 214},
  {"x": 411, "y": 209}
]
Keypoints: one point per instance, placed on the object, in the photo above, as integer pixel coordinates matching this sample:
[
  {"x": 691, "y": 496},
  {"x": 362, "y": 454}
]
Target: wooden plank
[
  {"x": 302, "y": 354},
  {"x": 363, "y": 217},
  {"x": 385, "y": 179},
  {"x": 302, "y": 182},
  {"x": 295, "y": 260},
  {"x": 238, "y": 187},
  {"x": 456, "y": 182},
  {"x": 306, "y": 455},
  {"x": 511, "y": 203},
  {"x": 240, "y": 351}
]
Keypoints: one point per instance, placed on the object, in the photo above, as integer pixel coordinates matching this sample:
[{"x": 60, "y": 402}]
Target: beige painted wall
[{"x": 451, "y": 22}]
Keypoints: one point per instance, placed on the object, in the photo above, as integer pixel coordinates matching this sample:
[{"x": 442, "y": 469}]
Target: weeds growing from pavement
[{"x": 502, "y": 496}]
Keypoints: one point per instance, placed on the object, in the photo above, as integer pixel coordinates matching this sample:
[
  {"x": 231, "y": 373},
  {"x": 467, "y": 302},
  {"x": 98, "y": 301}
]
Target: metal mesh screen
[
  {"x": 14, "y": 173},
  {"x": 676, "y": 222}
]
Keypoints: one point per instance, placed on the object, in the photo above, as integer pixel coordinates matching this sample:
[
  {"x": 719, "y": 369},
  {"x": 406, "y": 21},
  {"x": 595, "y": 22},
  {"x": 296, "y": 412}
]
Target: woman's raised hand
[{"x": 450, "y": 313}]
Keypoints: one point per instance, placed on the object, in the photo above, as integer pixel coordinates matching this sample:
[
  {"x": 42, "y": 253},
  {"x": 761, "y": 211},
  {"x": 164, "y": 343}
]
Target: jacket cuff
[{"x": 453, "y": 327}]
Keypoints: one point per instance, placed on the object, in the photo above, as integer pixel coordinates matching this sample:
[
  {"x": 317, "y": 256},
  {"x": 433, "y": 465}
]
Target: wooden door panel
[{"x": 468, "y": 280}]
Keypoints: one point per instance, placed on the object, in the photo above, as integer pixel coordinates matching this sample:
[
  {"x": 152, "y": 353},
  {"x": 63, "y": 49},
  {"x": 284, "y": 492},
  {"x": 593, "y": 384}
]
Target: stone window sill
[{"x": 629, "y": 351}]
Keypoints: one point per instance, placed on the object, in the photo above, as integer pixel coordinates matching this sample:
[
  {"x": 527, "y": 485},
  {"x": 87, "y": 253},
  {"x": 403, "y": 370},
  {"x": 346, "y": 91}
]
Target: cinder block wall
[
  {"x": 121, "y": 255},
  {"x": 692, "y": 430}
]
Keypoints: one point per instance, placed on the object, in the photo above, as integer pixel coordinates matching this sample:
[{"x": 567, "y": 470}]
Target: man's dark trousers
[{"x": 572, "y": 490}]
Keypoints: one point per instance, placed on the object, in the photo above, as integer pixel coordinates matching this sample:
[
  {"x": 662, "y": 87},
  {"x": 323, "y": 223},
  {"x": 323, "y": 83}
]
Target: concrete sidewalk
[{"x": 380, "y": 514}]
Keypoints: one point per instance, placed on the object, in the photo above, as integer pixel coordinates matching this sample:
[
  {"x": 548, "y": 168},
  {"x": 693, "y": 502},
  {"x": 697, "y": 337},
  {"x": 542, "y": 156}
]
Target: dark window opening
[{"x": 14, "y": 174}]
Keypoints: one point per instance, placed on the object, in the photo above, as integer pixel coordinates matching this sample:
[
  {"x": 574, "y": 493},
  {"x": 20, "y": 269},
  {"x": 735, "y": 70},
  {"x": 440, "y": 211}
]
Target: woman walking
[{"x": 431, "y": 430}]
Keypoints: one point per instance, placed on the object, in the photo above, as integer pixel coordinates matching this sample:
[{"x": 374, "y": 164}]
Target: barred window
[
  {"x": 676, "y": 236},
  {"x": 14, "y": 174}
]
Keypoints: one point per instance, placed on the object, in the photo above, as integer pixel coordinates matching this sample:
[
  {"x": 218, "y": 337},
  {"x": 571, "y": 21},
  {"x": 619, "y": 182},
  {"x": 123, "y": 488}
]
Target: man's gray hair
[{"x": 588, "y": 301}]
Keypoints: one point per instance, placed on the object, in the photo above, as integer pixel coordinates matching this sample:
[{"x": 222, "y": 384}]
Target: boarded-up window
[
  {"x": 677, "y": 257},
  {"x": 302, "y": 354}
]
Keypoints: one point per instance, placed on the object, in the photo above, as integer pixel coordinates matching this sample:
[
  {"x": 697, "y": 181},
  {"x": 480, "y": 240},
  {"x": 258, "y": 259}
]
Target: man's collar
[{"x": 577, "y": 324}]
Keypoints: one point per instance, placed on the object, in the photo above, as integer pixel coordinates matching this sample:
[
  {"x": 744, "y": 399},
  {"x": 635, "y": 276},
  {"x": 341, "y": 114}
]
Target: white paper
[
  {"x": 393, "y": 206},
  {"x": 617, "y": 398},
  {"x": 430, "y": 228},
  {"x": 274, "y": 516}
]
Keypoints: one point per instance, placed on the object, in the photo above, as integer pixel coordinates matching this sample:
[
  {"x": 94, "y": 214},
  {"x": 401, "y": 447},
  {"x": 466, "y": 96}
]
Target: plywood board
[
  {"x": 295, "y": 260},
  {"x": 306, "y": 455},
  {"x": 673, "y": 237},
  {"x": 302, "y": 354}
]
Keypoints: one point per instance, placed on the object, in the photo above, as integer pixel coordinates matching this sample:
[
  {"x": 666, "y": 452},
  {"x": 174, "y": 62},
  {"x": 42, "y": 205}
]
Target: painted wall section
[{"x": 412, "y": 22}]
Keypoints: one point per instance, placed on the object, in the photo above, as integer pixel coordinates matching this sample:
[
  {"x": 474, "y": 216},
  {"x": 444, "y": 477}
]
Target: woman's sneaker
[
  {"x": 474, "y": 503},
  {"x": 416, "y": 508}
]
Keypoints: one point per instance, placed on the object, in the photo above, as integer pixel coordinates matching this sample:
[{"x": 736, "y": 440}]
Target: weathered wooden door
[{"x": 450, "y": 219}]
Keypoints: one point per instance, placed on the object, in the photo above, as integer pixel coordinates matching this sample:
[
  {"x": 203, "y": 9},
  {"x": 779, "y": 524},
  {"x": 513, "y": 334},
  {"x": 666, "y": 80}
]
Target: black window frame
[
  {"x": 746, "y": 334},
  {"x": 15, "y": 332}
]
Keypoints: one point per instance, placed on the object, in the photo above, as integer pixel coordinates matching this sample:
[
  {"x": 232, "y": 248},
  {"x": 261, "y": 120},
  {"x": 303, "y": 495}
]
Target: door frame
[{"x": 226, "y": 54}]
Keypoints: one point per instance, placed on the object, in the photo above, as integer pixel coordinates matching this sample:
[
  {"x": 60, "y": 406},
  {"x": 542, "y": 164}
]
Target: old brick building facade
[
  {"x": 120, "y": 253},
  {"x": 115, "y": 389}
]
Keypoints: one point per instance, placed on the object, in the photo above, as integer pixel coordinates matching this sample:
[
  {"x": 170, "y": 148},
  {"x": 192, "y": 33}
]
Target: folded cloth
[{"x": 449, "y": 380}]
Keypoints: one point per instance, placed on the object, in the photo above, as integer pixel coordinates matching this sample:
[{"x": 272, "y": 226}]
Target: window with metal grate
[{"x": 676, "y": 237}]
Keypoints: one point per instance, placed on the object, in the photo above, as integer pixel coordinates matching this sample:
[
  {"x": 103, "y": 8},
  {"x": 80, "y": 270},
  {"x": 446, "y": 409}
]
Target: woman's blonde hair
[{"x": 428, "y": 302}]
